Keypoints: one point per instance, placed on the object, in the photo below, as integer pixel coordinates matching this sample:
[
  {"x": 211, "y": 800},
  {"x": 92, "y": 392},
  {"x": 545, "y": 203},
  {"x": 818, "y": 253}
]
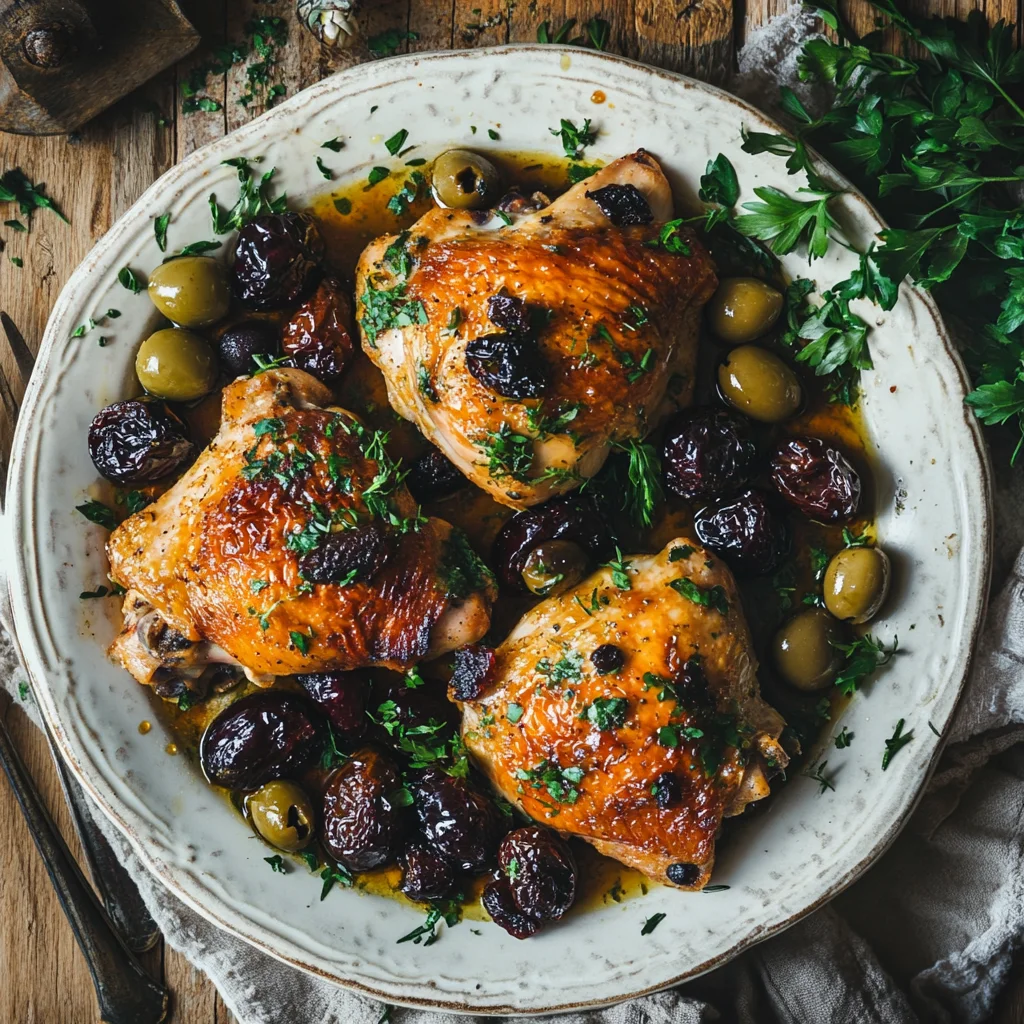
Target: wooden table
[{"x": 96, "y": 175}]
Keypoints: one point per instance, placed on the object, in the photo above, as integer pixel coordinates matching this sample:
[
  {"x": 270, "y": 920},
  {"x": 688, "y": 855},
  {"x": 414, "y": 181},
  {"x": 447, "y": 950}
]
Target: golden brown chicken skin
[
  {"x": 643, "y": 761},
  {"x": 291, "y": 545},
  {"x": 613, "y": 313}
]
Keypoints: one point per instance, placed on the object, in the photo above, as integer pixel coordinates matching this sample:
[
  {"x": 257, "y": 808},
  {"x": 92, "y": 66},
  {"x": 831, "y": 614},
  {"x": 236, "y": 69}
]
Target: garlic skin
[{"x": 333, "y": 22}]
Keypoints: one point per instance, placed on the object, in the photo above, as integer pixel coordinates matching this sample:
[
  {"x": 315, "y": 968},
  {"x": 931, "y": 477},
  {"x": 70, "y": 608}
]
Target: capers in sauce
[
  {"x": 191, "y": 290},
  {"x": 743, "y": 309},
  {"x": 757, "y": 382},
  {"x": 176, "y": 364},
  {"x": 554, "y": 567},
  {"x": 805, "y": 651},
  {"x": 464, "y": 180},
  {"x": 856, "y": 583},
  {"x": 282, "y": 814}
]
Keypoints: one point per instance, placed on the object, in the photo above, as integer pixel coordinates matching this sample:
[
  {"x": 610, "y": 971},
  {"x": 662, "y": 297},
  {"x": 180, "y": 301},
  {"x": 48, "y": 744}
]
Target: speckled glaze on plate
[{"x": 933, "y": 517}]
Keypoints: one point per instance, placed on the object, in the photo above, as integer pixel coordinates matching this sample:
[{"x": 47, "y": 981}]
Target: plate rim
[{"x": 15, "y": 520}]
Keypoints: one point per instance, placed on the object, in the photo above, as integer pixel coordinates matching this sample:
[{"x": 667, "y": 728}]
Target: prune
[
  {"x": 238, "y": 345},
  {"x": 513, "y": 201},
  {"x": 541, "y": 871},
  {"x": 348, "y": 555},
  {"x": 816, "y": 478},
  {"x": 666, "y": 790},
  {"x": 318, "y": 337},
  {"x": 364, "y": 822},
  {"x": 456, "y": 819},
  {"x": 432, "y": 476},
  {"x": 691, "y": 686},
  {"x": 498, "y": 901},
  {"x": 746, "y": 531},
  {"x": 267, "y": 735},
  {"x": 509, "y": 312},
  {"x": 623, "y": 205},
  {"x": 508, "y": 364},
  {"x": 426, "y": 875},
  {"x": 277, "y": 260},
  {"x": 683, "y": 874},
  {"x": 707, "y": 453},
  {"x": 138, "y": 440},
  {"x": 574, "y": 517},
  {"x": 426, "y": 710},
  {"x": 342, "y": 697},
  {"x": 474, "y": 665},
  {"x": 607, "y": 659}
]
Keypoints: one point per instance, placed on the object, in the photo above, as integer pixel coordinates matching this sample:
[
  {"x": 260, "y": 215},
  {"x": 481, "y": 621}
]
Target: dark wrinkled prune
[
  {"x": 270, "y": 734},
  {"x": 456, "y": 819},
  {"x": 683, "y": 874},
  {"x": 574, "y": 517},
  {"x": 277, "y": 260},
  {"x": 607, "y": 659},
  {"x": 541, "y": 871},
  {"x": 364, "y": 821},
  {"x": 691, "y": 686},
  {"x": 348, "y": 555},
  {"x": 509, "y": 364},
  {"x": 509, "y": 313},
  {"x": 816, "y": 478},
  {"x": 474, "y": 666},
  {"x": 707, "y": 453},
  {"x": 623, "y": 205},
  {"x": 513, "y": 201},
  {"x": 138, "y": 440},
  {"x": 318, "y": 337},
  {"x": 433, "y": 476},
  {"x": 498, "y": 901},
  {"x": 237, "y": 346},
  {"x": 666, "y": 790},
  {"x": 342, "y": 697},
  {"x": 746, "y": 531},
  {"x": 426, "y": 875}
]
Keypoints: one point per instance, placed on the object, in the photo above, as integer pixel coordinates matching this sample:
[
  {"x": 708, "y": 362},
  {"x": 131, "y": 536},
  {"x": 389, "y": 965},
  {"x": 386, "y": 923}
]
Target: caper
[
  {"x": 464, "y": 180},
  {"x": 554, "y": 567},
  {"x": 176, "y": 364},
  {"x": 743, "y": 309},
  {"x": 282, "y": 814},
  {"x": 805, "y": 651},
  {"x": 760, "y": 384},
  {"x": 191, "y": 290},
  {"x": 856, "y": 583}
]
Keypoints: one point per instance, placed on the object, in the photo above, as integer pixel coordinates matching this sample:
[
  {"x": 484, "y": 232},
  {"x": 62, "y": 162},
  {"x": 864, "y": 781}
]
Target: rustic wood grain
[{"x": 96, "y": 174}]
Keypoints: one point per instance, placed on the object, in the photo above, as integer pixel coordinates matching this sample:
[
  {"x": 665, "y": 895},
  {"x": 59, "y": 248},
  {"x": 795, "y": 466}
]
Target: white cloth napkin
[{"x": 928, "y": 934}]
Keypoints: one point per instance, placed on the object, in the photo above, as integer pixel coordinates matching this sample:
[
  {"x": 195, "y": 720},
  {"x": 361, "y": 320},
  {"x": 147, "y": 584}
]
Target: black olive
[
  {"x": 574, "y": 517},
  {"x": 432, "y": 476},
  {"x": 746, "y": 531},
  {"x": 498, "y": 901},
  {"x": 426, "y": 875},
  {"x": 666, "y": 790},
  {"x": 607, "y": 659},
  {"x": 342, "y": 697},
  {"x": 541, "y": 871},
  {"x": 348, "y": 555},
  {"x": 707, "y": 453},
  {"x": 816, "y": 478},
  {"x": 623, "y": 205},
  {"x": 137, "y": 441},
  {"x": 474, "y": 665},
  {"x": 237, "y": 346},
  {"x": 683, "y": 874},
  {"x": 270, "y": 734},
  {"x": 277, "y": 260},
  {"x": 509, "y": 364}
]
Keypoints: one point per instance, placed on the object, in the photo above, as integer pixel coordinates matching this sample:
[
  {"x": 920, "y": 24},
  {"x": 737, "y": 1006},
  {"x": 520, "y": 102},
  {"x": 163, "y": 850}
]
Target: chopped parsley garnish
[
  {"x": 15, "y": 187},
  {"x": 277, "y": 864},
  {"x": 514, "y": 712},
  {"x": 334, "y": 874},
  {"x": 160, "y": 230},
  {"x": 127, "y": 278},
  {"x": 668, "y": 736},
  {"x": 895, "y": 743},
  {"x": 668, "y": 238},
  {"x": 463, "y": 571},
  {"x": 253, "y": 199},
  {"x": 607, "y": 713},
  {"x": 387, "y": 308},
  {"x": 855, "y": 540},
  {"x": 844, "y": 739},
  {"x": 17, "y": 261},
  {"x": 861, "y": 658},
  {"x": 580, "y": 172},
  {"x": 116, "y": 590},
  {"x": 651, "y": 923},
  {"x": 335, "y": 145},
  {"x": 708, "y": 597},
  {"x": 643, "y": 490},
  {"x": 545, "y": 424},
  {"x": 397, "y": 141},
  {"x": 386, "y": 43},
  {"x": 430, "y": 742},
  {"x": 410, "y": 191},
  {"x": 574, "y": 140},
  {"x": 98, "y": 513},
  {"x": 566, "y": 669},
  {"x": 324, "y": 170},
  {"x": 679, "y": 552},
  {"x": 376, "y": 175},
  {"x": 302, "y": 640},
  {"x": 559, "y": 782},
  {"x": 508, "y": 453},
  {"x": 817, "y": 773},
  {"x": 620, "y": 571},
  {"x": 343, "y": 206},
  {"x": 448, "y": 911},
  {"x": 784, "y": 222}
]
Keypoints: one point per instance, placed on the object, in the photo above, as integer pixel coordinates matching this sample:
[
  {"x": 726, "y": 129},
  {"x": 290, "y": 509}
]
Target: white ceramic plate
[{"x": 933, "y": 516}]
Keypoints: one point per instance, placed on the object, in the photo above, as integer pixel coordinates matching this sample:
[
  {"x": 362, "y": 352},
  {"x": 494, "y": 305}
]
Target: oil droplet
[
  {"x": 597, "y": 96},
  {"x": 171, "y": 748},
  {"x": 566, "y": 62},
  {"x": 144, "y": 727}
]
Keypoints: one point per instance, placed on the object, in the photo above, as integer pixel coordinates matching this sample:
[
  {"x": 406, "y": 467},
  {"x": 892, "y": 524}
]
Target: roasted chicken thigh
[
  {"x": 526, "y": 345},
  {"x": 626, "y": 712},
  {"x": 291, "y": 545}
]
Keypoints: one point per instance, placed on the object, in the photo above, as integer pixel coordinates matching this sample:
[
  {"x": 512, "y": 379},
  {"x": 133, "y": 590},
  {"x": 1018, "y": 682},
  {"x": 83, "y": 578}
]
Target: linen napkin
[{"x": 929, "y": 934}]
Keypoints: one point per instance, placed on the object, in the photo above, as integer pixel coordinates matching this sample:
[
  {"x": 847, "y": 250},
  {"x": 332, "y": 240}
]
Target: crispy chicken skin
[
  {"x": 217, "y": 556},
  {"x": 532, "y": 723},
  {"x": 621, "y": 321}
]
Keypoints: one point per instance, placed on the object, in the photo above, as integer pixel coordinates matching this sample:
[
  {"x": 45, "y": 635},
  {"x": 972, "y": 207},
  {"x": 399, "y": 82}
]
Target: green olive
[
  {"x": 176, "y": 364},
  {"x": 743, "y": 308},
  {"x": 554, "y": 567},
  {"x": 464, "y": 180},
  {"x": 191, "y": 290},
  {"x": 856, "y": 583},
  {"x": 282, "y": 814},
  {"x": 804, "y": 649},
  {"x": 760, "y": 384}
]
